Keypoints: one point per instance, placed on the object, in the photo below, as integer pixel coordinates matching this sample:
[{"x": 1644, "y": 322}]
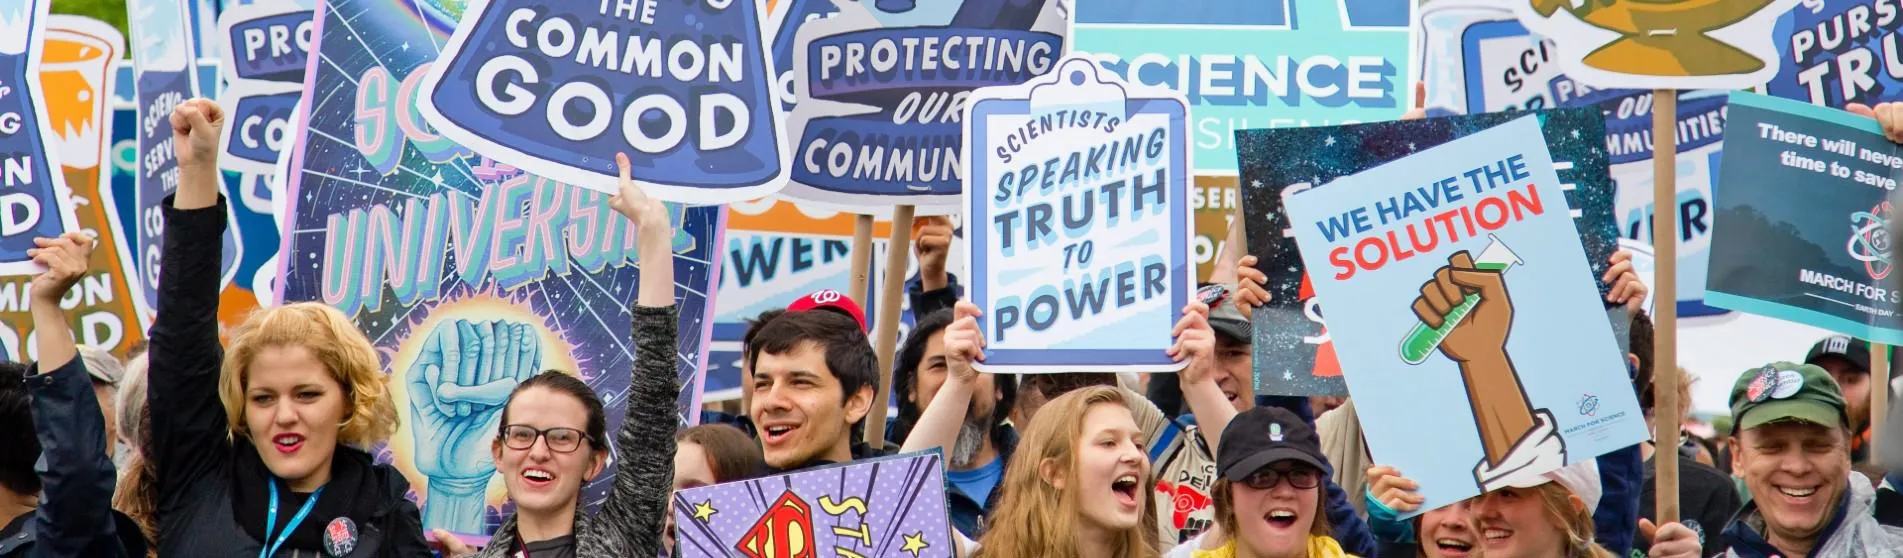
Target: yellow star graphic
[
  {"x": 704, "y": 510},
  {"x": 914, "y": 543}
]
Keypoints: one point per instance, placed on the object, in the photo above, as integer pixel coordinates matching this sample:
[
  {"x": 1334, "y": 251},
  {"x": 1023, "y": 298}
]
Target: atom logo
[
  {"x": 1589, "y": 405},
  {"x": 1870, "y": 240}
]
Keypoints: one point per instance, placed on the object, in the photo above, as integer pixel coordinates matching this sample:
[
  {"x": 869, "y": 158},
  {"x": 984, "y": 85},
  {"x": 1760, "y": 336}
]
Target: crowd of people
[{"x": 260, "y": 445}]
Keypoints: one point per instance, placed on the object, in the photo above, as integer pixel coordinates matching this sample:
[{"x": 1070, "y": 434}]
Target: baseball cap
[
  {"x": 1786, "y": 391},
  {"x": 830, "y": 300},
  {"x": 1581, "y": 478},
  {"x": 1261, "y": 436},
  {"x": 1857, "y": 351},
  {"x": 101, "y": 364},
  {"x": 1228, "y": 321}
]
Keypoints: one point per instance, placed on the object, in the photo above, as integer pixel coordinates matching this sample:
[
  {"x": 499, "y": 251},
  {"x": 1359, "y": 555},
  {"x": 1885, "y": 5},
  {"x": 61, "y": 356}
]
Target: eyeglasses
[
  {"x": 1302, "y": 478},
  {"x": 560, "y": 440}
]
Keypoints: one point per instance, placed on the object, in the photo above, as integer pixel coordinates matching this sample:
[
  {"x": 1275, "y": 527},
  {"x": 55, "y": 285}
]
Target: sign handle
[
  {"x": 1879, "y": 399},
  {"x": 861, "y": 259},
  {"x": 1665, "y": 313},
  {"x": 898, "y": 256}
]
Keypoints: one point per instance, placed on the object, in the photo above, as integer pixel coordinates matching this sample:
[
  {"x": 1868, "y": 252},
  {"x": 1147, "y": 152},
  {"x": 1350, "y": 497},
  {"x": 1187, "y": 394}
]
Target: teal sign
[{"x": 1247, "y": 64}]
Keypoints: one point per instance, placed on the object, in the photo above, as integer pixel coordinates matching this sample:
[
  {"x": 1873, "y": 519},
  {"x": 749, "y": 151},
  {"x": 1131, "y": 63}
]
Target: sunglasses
[
  {"x": 560, "y": 440},
  {"x": 1302, "y": 478}
]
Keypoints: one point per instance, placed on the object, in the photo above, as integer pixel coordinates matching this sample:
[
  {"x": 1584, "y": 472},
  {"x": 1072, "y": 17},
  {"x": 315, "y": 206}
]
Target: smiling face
[
  {"x": 800, "y": 410},
  {"x": 1796, "y": 471},
  {"x": 1275, "y": 522},
  {"x": 1237, "y": 380},
  {"x": 1113, "y": 468},
  {"x": 1514, "y": 523},
  {"x": 1855, "y": 384},
  {"x": 293, "y": 406},
  {"x": 540, "y": 480},
  {"x": 1448, "y": 532}
]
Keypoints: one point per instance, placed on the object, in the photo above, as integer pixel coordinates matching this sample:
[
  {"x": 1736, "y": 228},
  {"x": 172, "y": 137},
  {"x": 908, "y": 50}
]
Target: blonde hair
[
  {"x": 336, "y": 343},
  {"x": 1034, "y": 517},
  {"x": 137, "y": 494},
  {"x": 1575, "y": 522}
]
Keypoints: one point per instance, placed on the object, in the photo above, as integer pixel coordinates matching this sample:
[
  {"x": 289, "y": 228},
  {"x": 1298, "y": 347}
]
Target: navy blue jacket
[{"x": 75, "y": 516}]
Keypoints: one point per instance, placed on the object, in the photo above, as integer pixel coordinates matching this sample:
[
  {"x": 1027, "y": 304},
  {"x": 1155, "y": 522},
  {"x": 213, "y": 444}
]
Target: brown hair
[
  {"x": 1222, "y": 496},
  {"x": 730, "y": 453},
  {"x": 1034, "y": 517},
  {"x": 336, "y": 343}
]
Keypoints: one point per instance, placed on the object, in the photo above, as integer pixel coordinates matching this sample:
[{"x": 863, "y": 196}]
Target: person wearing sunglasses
[
  {"x": 1268, "y": 495},
  {"x": 553, "y": 434}
]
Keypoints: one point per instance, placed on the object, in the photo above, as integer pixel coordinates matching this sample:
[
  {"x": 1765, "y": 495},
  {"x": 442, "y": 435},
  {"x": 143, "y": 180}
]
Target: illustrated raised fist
[
  {"x": 458, "y": 385},
  {"x": 1484, "y": 331},
  {"x": 196, "y": 126}
]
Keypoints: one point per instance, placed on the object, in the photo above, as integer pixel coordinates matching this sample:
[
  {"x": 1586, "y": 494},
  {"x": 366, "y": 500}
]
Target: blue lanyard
[{"x": 272, "y": 520}]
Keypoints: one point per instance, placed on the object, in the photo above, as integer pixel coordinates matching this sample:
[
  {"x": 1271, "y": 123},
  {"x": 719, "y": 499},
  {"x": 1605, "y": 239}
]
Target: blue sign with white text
[
  {"x": 558, "y": 87},
  {"x": 33, "y": 194},
  {"x": 879, "y": 89},
  {"x": 162, "y": 57}
]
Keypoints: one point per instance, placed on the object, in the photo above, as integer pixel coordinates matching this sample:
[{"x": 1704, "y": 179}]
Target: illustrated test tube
[{"x": 1422, "y": 340}]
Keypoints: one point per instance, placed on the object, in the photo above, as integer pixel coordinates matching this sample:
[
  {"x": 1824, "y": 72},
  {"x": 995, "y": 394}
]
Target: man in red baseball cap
[{"x": 828, "y": 299}]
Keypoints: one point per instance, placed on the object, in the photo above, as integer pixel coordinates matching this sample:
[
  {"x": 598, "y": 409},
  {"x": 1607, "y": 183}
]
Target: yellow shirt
[{"x": 1318, "y": 547}]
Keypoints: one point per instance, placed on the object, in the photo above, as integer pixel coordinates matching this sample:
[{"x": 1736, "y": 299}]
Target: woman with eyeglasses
[
  {"x": 553, "y": 437},
  {"x": 1268, "y": 492}
]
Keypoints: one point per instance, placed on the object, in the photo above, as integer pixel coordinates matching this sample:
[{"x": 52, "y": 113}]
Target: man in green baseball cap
[{"x": 1793, "y": 452}]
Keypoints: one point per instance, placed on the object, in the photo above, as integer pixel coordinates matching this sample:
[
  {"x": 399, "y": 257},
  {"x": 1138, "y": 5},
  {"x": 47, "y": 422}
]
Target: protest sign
[
  {"x": 1661, "y": 45},
  {"x": 1292, "y": 348},
  {"x": 1839, "y": 52},
  {"x": 1083, "y": 212},
  {"x": 1449, "y": 271},
  {"x": 439, "y": 242},
  {"x": 783, "y": 22},
  {"x": 35, "y": 201},
  {"x": 557, "y": 88},
  {"x": 75, "y": 76},
  {"x": 1214, "y": 200},
  {"x": 1802, "y": 232},
  {"x": 1246, "y": 64},
  {"x": 889, "y": 506},
  {"x": 877, "y": 122},
  {"x": 264, "y": 46},
  {"x": 1488, "y": 62}
]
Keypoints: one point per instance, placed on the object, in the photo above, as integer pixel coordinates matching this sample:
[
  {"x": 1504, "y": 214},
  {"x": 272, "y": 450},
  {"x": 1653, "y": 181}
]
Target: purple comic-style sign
[{"x": 893, "y": 506}]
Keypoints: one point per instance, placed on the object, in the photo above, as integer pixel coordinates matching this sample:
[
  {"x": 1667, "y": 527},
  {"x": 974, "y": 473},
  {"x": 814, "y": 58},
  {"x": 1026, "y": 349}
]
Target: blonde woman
[
  {"x": 1077, "y": 485},
  {"x": 260, "y": 447},
  {"x": 1540, "y": 516},
  {"x": 137, "y": 494}
]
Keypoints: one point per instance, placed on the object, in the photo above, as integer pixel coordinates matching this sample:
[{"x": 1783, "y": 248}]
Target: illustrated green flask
[{"x": 1422, "y": 340}]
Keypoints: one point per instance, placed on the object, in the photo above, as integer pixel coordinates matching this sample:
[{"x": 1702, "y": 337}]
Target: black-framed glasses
[
  {"x": 560, "y": 440},
  {"x": 1302, "y": 478}
]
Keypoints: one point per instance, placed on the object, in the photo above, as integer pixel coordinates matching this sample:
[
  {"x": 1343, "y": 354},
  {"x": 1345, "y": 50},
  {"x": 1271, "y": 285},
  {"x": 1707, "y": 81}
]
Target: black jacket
[
  {"x": 198, "y": 460},
  {"x": 75, "y": 516}
]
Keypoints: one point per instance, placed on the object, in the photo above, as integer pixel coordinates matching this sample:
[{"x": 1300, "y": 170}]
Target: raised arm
[
  {"x": 938, "y": 425},
  {"x": 1196, "y": 341},
  {"x": 188, "y": 423},
  {"x": 634, "y": 515},
  {"x": 75, "y": 513}
]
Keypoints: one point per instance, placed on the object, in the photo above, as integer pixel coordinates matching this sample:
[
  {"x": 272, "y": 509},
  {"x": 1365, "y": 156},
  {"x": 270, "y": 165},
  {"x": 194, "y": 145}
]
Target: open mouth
[
  {"x": 287, "y": 443},
  {"x": 1496, "y": 536},
  {"x": 1797, "y": 492},
  {"x": 538, "y": 478},
  {"x": 1126, "y": 488},
  {"x": 1281, "y": 518},
  {"x": 774, "y": 434},
  {"x": 1453, "y": 547}
]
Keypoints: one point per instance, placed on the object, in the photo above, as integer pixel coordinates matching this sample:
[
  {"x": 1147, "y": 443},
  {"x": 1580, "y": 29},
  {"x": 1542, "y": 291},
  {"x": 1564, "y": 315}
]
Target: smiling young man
[
  {"x": 1793, "y": 452},
  {"x": 813, "y": 380}
]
